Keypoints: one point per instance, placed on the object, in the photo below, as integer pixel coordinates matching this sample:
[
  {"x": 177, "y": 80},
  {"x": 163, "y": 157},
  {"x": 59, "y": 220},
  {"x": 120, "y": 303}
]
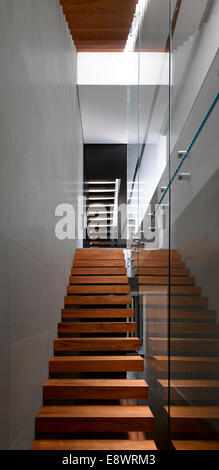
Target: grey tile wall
[{"x": 41, "y": 154}]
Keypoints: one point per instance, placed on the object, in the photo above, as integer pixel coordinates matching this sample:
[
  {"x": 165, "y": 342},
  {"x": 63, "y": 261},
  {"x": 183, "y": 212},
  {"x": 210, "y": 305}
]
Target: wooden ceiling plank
[
  {"x": 99, "y": 25},
  {"x": 97, "y": 22},
  {"x": 100, "y": 5}
]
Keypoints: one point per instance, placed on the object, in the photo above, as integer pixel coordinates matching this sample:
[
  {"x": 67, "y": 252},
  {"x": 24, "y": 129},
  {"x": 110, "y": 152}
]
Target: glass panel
[
  {"x": 173, "y": 170},
  {"x": 194, "y": 328}
]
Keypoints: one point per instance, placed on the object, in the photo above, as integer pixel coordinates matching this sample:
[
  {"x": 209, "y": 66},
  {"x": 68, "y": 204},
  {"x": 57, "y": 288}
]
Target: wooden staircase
[
  {"x": 194, "y": 346},
  {"x": 88, "y": 401}
]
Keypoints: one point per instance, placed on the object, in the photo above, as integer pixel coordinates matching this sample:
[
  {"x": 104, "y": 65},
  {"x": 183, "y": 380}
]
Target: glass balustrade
[{"x": 173, "y": 222}]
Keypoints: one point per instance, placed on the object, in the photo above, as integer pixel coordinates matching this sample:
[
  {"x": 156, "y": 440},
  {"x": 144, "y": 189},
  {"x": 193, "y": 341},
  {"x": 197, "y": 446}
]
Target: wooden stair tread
[
  {"x": 185, "y": 383},
  {"x": 92, "y": 411},
  {"x": 96, "y": 363},
  {"x": 161, "y": 271},
  {"x": 98, "y": 300},
  {"x": 185, "y": 364},
  {"x": 186, "y": 340},
  {"x": 159, "y": 280},
  {"x": 100, "y": 444},
  {"x": 160, "y": 254},
  {"x": 103, "y": 383},
  {"x": 174, "y": 290},
  {"x": 195, "y": 391},
  {"x": 181, "y": 345},
  {"x": 188, "y": 359},
  {"x": 176, "y": 300},
  {"x": 183, "y": 328},
  {"x": 94, "y": 418},
  {"x": 97, "y": 327},
  {"x": 98, "y": 289},
  {"x": 182, "y": 314},
  {"x": 97, "y": 313},
  {"x": 96, "y": 344},
  {"x": 118, "y": 271},
  {"x": 108, "y": 250},
  {"x": 113, "y": 253},
  {"x": 160, "y": 263},
  {"x": 193, "y": 419},
  {"x": 95, "y": 389},
  {"x": 98, "y": 279},
  {"x": 195, "y": 445},
  {"x": 99, "y": 262},
  {"x": 194, "y": 412}
]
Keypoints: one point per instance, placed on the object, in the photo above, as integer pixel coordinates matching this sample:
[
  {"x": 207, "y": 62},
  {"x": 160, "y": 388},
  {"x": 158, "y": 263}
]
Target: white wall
[
  {"x": 201, "y": 57},
  {"x": 194, "y": 54},
  {"x": 194, "y": 211},
  {"x": 41, "y": 150},
  {"x": 189, "y": 107}
]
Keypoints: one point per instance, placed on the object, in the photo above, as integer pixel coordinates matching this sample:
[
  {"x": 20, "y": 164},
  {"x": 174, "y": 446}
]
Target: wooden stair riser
[{"x": 114, "y": 389}]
